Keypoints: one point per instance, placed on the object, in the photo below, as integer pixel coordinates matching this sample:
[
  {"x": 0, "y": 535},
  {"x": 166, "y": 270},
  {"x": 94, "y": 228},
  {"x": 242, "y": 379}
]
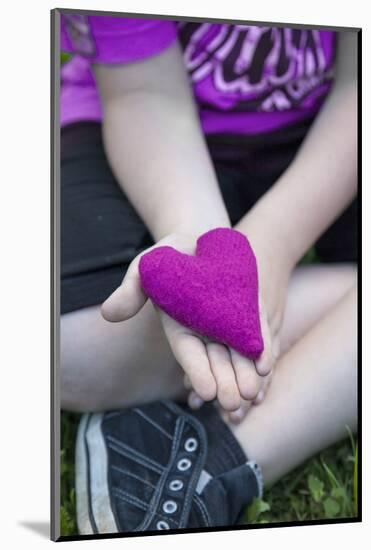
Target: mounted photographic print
[{"x": 205, "y": 348}]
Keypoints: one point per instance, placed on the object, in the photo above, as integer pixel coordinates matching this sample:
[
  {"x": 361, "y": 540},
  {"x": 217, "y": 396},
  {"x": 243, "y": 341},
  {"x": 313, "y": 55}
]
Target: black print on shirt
[{"x": 263, "y": 68}]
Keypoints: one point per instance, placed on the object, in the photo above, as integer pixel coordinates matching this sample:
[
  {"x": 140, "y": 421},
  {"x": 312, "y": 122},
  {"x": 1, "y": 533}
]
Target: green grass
[
  {"x": 65, "y": 57},
  {"x": 325, "y": 487},
  {"x": 69, "y": 422}
]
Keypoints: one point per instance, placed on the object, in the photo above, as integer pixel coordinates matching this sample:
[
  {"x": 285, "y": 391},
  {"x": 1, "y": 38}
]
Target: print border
[{"x": 55, "y": 277}]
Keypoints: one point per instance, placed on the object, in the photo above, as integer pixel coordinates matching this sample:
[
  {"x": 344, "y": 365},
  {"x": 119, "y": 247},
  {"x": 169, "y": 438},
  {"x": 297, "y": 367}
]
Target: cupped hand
[
  {"x": 274, "y": 271},
  {"x": 240, "y": 381},
  {"x": 213, "y": 370}
]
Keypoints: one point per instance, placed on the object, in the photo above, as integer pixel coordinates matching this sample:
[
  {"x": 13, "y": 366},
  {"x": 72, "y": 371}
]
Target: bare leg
[
  {"x": 105, "y": 365},
  {"x": 313, "y": 291},
  {"x": 312, "y": 398}
]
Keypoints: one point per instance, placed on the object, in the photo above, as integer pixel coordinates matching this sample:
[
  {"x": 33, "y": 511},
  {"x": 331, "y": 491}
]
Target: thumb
[{"x": 127, "y": 299}]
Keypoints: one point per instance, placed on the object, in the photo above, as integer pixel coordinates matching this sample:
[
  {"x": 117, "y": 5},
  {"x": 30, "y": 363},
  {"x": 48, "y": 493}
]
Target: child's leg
[
  {"x": 105, "y": 365},
  {"x": 111, "y": 365},
  {"x": 312, "y": 398},
  {"x": 313, "y": 291}
]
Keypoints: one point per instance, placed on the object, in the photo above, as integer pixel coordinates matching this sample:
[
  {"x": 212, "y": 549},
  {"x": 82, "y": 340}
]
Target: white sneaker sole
[{"x": 93, "y": 504}]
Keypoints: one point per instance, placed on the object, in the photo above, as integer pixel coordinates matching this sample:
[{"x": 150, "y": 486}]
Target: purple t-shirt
[{"x": 245, "y": 79}]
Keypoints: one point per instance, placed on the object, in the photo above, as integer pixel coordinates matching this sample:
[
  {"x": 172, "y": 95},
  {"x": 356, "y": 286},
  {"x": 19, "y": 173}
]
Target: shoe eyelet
[
  {"x": 162, "y": 525},
  {"x": 184, "y": 464},
  {"x": 191, "y": 444},
  {"x": 176, "y": 485},
  {"x": 169, "y": 507}
]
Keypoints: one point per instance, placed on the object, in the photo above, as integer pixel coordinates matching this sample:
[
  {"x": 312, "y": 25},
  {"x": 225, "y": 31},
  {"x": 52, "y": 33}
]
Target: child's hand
[
  {"x": 214, "y": 370},
  {"x": 252, "y": 377},
  {"x": 128, "y": 299},
  {"x": 274, "y": 271}
]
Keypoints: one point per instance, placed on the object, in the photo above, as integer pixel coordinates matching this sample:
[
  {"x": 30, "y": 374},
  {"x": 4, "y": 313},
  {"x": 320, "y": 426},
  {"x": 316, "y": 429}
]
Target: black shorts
[{"x": 101, "y": 232}]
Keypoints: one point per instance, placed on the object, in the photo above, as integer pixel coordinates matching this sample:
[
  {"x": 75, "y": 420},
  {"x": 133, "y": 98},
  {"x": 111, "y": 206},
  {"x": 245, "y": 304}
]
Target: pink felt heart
[{"x": 215, "y": 292}]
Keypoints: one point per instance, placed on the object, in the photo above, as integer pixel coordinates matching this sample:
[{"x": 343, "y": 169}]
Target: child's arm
[
  {"x": 156, "y": 149},
  {"x": 314, "y": 190},
  {"x": 155, "y": 145}
]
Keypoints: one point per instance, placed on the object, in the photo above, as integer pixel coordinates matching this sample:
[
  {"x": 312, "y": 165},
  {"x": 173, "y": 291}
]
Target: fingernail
[
  {"x": 261, "y": 368},
  {"x": 259, "y": 398},
  {"x": 195, "y": 401},
  {"x": 237, "y": 416}
]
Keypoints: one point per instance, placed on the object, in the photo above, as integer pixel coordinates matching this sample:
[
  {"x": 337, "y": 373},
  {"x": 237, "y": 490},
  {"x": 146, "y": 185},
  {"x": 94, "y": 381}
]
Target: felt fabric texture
[{"x": 214, "y": 292}]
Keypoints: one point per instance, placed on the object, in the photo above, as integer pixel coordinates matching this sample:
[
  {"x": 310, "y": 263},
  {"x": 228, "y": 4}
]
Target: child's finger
[
  {"x": 222, "y": 369},
  {"x": 248, "y": 380},
  {"x": 237, "y": 416},
  {"x": 263, "y": 390},
  {"x": 265, "y": 362},
  {"x": 266, "y": 381},
  {"x": 127, "y": 299},
  {"x": 194, "y": 401},
  {"x": 187, "y": 382},
  {"x": 190, "y": 352}
]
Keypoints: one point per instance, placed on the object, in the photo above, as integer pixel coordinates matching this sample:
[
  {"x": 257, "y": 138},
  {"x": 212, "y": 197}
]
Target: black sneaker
[{"x": 160, "y": 466}]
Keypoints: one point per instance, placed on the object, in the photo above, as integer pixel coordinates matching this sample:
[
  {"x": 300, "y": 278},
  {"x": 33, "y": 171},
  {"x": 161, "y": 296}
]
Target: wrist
[
  {"x": 268, "y": 241},
  {"x": 190, "y": 229}
]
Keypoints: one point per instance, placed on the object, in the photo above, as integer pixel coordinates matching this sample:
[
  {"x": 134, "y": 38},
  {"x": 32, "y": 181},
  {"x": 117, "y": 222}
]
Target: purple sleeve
[{"x": 104, "y": 39}]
